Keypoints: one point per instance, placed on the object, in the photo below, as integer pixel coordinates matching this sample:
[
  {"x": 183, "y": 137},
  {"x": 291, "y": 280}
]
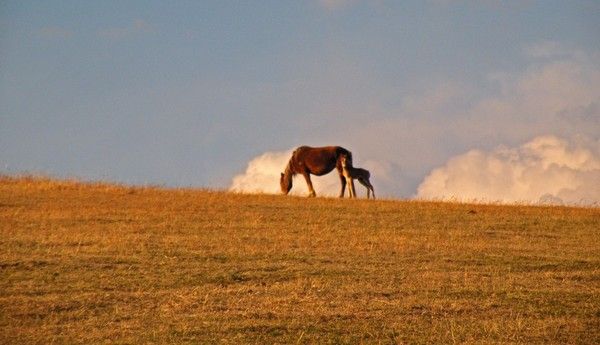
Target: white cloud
[
  {"x": 558, "y": 96},
  {"x": 546, "y": 169},
  {"x": 262, "y": 174}
]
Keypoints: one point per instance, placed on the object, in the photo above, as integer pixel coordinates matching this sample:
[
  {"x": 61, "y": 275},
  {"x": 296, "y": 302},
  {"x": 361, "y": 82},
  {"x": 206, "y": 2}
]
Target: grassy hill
[{"x": 98, "y": 263}]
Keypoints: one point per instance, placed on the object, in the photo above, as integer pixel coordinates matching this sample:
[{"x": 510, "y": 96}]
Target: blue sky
[{"x": 186, "y": 93}]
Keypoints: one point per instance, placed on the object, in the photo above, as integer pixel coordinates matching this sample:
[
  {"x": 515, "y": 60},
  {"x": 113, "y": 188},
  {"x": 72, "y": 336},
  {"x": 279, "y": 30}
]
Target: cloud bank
[
  {"x": 403, "y": 135},
  {"x": 547, "y": 169}
]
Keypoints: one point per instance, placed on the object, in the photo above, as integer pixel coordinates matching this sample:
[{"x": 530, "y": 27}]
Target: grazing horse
[
  {"x": 314, "y": 160},
  {"x": 351, "y": 173}
]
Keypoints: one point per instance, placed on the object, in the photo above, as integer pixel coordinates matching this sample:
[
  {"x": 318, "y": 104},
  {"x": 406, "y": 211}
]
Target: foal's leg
[
  {"x": 364, "y": 183},
  {"x": 351, "y": 189},
  {"x": 368, "y": 185},
  {"x": 311, "y": 190},
  {"x": 343, "y": 182}
]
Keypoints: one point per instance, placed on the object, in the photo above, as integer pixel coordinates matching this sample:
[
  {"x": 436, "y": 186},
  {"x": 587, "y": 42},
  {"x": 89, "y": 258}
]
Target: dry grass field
[{"x": 99, "y": 263}]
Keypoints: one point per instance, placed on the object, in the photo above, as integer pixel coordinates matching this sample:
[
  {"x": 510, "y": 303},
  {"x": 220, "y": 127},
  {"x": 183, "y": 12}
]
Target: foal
[{"x": 350, "y": 173}]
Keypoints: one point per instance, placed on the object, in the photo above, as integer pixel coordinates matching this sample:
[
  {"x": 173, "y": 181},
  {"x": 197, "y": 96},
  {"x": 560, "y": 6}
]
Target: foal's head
[{"x": 346, "y": 161}]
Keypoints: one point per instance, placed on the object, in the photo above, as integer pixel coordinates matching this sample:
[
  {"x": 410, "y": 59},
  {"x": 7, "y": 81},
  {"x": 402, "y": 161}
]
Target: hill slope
[{"x": 83, "y": 263}]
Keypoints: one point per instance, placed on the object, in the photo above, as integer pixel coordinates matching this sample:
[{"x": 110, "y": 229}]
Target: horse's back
[
  {"x": 330, "y": 150},
  {"x": 318, "y": 160}
]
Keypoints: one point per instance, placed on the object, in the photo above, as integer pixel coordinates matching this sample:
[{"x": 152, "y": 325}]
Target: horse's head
[{"x": 285, "y": 182}]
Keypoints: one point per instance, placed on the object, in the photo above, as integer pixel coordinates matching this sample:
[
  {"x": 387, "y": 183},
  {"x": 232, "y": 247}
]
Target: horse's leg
[{"x": 311, "y": 190}]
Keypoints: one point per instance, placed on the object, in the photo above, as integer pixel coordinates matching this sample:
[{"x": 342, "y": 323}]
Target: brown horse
[{"x": 314, "y": 160}]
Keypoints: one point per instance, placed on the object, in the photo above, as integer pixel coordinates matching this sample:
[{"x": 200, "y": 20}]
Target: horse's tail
[
  {"x": 340, "y": 151},
  {"x": 343, "y": 152}
]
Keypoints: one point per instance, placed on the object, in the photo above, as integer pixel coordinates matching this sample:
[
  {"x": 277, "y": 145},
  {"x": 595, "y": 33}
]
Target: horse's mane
[{"x": 288, "y": 168}]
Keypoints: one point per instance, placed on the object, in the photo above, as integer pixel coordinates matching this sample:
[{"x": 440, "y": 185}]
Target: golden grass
[{"x": 99, "y": 263}]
